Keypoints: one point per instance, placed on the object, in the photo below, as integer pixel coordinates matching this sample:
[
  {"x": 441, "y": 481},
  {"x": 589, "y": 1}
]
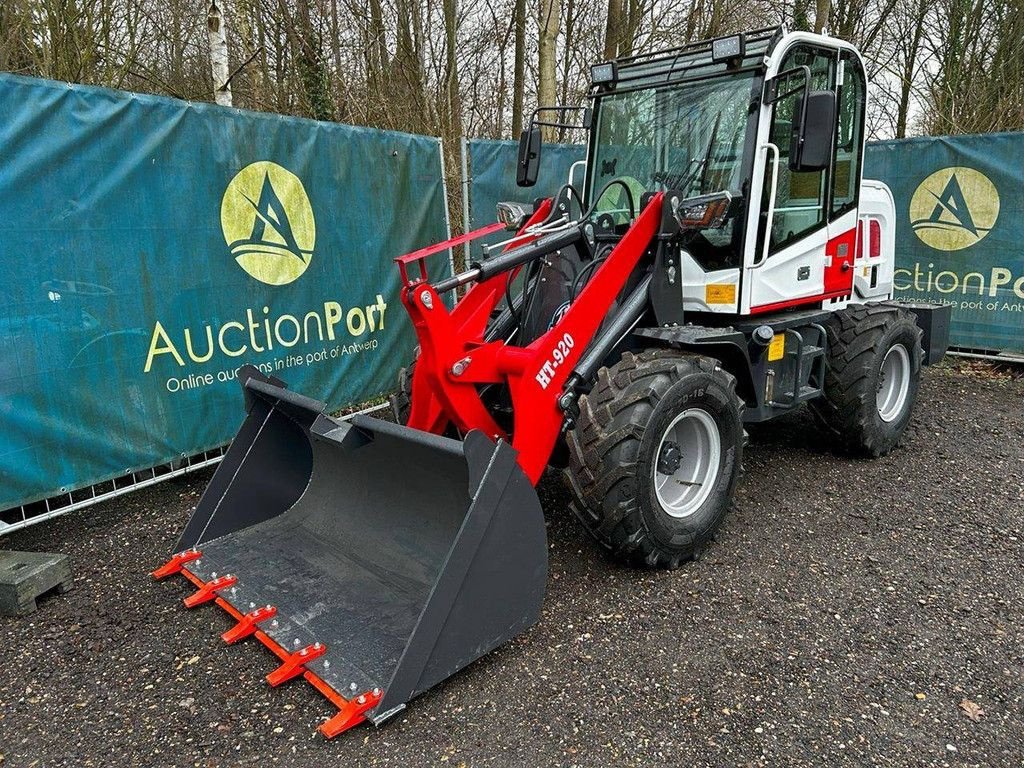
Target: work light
[
  {"x": 605, "y": 73},
  {"x": 727, "y": 48}
]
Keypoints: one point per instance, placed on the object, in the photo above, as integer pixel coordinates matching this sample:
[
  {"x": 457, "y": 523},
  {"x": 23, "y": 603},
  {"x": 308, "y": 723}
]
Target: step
[{"x": 808, "y": 393}]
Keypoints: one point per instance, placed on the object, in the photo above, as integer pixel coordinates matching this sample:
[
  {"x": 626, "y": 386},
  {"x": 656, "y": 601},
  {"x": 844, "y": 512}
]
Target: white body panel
[
  {"x": 876, "y": 203},
  {"x": 708, "y": 291},
  {"x": 778, "y": 278}
]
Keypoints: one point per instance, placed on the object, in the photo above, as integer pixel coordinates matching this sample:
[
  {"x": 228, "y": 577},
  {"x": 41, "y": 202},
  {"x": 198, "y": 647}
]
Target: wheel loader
[{"x": 720, "y": 263}]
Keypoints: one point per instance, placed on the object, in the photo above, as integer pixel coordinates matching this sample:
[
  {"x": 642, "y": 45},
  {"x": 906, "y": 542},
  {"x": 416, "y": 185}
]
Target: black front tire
[
  {"x": 859, "y": 338},
  {"x": 613, "y": 459}
]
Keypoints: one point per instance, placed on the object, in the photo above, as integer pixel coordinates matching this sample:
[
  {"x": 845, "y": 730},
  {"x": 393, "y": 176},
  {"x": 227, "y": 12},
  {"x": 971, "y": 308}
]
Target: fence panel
[
  {"x": 152, "y": 246},
  {"x": 960, "y": 229}
]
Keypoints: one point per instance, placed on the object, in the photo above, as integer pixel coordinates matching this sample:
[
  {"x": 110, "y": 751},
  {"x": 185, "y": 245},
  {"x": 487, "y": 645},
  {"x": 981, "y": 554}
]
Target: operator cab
[{"x": 769, "y": 123}]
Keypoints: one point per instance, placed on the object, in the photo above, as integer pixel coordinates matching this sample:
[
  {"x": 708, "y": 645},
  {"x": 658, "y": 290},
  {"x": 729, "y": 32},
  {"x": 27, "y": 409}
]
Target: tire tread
[
  {"x": 604, "y": 448},
  {"x": 847, "y": 409}
]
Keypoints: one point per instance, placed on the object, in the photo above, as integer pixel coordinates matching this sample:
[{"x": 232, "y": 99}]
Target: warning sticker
[
  {"x": 777, "y": 347},
  {"x": 720, "y": 293}
]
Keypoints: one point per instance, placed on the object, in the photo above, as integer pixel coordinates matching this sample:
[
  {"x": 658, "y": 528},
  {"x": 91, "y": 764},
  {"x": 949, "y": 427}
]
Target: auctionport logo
[
  {"x": 268, "y": 223},
  {"x": 954, "y": 208}
]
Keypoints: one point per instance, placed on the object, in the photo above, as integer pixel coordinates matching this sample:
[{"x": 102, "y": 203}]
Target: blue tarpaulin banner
[
  {"x": 492, "y": 170},
  {"x": 151, "y": 246},
  {"x": 959, "y": 228}
]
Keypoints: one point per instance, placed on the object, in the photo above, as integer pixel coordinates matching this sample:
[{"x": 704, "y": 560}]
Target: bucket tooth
[
  {"x": 208, "y": 591},
  {"x": 247, "y": 624},
  {"x": 176, "y": 563},
  {"x": 352, "y": 713},
  {"x": 295, "y": 664}
]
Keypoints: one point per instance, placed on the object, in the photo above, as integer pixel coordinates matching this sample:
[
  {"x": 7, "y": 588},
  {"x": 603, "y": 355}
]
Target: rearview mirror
[
  {"x": 814, "y": 127},
  {"x": 529, "y": 157}
]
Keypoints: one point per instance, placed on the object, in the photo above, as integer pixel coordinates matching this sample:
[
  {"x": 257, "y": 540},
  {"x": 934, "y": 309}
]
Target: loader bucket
[{"x": 373, "y": 559}]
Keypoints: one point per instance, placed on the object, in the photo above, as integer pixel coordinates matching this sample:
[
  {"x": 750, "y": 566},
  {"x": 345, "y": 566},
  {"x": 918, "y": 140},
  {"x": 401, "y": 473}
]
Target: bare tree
[
  {"x": 478, "y": 67},
  {"x": 519, "y": 68},
  {"x": 549, "y": 21}
]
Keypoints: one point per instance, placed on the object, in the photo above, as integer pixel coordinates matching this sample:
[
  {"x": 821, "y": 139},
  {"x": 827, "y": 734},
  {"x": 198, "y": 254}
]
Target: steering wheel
[{"x": 615, "y": 201}]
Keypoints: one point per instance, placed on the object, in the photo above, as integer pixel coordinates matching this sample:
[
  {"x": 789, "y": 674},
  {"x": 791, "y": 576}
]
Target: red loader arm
[{"x": 454, "y": 357}]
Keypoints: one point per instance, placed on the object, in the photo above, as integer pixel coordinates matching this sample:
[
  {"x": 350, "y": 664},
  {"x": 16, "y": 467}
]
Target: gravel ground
[{"x": 846, "y": 611}]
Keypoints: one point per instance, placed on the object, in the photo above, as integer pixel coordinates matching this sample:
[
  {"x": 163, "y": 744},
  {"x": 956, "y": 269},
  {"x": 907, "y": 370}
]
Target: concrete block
[{"x": 26, "y": 576}]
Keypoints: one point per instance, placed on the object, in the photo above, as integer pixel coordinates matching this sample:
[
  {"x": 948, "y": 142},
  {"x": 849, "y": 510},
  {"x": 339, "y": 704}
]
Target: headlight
[
  {"x": 513, "y": 215},
  {"x": 702, "y": 212}
]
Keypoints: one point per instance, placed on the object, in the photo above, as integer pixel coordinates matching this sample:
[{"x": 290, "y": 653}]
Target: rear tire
[
  {"x": 655, "y": 456},
  {"x": 871, "y": 379}
]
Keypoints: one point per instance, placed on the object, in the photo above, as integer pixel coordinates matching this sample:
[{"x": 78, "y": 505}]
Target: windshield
[{"x": 688, "y": 138}]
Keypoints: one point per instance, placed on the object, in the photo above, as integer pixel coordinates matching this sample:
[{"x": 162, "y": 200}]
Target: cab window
[
  {"x": 849, "y": 135},
  {"x": 800, "y": 198}
]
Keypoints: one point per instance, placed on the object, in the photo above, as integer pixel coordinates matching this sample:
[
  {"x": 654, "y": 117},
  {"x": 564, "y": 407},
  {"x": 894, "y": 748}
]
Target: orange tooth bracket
[
  {"x": 351, "y": 712},
  {"x": 247, "y": 624},
  {"x": 207, "y": 591},
  {"x": 176, "y": 563},
  {"x": 294, "y": 664}
]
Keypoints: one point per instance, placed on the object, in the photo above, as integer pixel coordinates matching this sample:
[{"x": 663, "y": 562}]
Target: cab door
[
  {"x": 843, "y": 247},
  {"x": 789, "y": 265}
]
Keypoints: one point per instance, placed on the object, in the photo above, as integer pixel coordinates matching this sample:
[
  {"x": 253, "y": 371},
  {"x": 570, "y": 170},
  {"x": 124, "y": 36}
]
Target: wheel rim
[
  {"x": 893, "y": 383},
  {"x": 687, "y": 462}
]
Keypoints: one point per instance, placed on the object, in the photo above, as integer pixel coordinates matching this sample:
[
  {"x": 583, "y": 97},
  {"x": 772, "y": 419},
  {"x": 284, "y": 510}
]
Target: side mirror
[
  {"x": 529, "y": 157},
  {"x": 814, "y": 128}
]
